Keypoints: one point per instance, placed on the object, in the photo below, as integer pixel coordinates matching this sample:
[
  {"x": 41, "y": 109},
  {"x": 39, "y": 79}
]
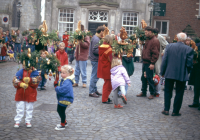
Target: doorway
[{"x": 93, "y": 26}]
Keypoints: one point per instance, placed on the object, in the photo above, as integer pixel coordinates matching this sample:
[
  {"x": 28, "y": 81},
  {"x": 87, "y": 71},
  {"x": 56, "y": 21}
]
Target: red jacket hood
[{"x": 103, "y": 48}]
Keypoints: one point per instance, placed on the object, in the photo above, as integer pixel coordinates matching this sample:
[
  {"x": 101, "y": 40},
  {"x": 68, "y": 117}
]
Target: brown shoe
[
  {"x": 151, "y": 97},
  {"x": 75, "y": 85},
  {"x": 165, "y": 112},
  {"x": 93, "y": 95},
  {"x": 141, "y": 95},
  {"x": 84, "y": 86},
  {"x": 98, "y": 93}
]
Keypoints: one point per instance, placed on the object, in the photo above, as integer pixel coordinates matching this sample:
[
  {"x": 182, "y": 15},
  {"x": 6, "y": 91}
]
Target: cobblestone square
[{"x": 89, "y": 119}]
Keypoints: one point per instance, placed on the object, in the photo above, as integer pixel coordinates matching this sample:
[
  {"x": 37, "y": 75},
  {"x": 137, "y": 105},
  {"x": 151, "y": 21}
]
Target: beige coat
[{"x": 163, "y": 44}]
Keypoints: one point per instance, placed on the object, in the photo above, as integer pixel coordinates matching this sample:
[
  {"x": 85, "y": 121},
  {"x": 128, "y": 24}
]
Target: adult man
[
  {"x": 113, "y": 35},
  {"x": 94, "y": 57},
  {"x": 18, "y": 43},
  {"x": 150, "y": 55},
  {"x": 163, "y": 44},
  {"x": 177, "y": 63},
  {"x": 81, "y": 54}
]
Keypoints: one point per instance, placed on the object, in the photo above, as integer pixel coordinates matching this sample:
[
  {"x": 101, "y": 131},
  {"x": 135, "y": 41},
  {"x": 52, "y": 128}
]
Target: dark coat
[
  {"x": 151, "y": 51},
  {"x": 177, "y": 61},
  {"x": 195, "y": 73},
  {"x": 94, "y": 48}
]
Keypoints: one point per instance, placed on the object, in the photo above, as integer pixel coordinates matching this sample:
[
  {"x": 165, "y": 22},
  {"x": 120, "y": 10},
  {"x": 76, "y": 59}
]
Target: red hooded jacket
[
  {"x": 65, "y": 40},
  {"x": 62, "y": 56},
  {"x": 104, "y": 62},
  {"x": 4, "y": 51}
]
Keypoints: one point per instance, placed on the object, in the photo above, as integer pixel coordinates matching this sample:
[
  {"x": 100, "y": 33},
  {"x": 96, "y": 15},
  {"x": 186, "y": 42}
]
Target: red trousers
[{"x": 107, "y": 88}]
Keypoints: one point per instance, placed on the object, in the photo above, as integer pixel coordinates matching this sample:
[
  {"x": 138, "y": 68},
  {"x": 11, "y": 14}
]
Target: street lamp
[
  {"x": 150, "y": 5},
  {"x": 19, "y": 13}
]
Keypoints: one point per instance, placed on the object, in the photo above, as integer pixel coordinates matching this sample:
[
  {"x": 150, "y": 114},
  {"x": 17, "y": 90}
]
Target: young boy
[
  {"x": 62, "y": 56},
  {"x": 65, "y": 40},
  {"x": 64, "y": 91},
  {"x": 26, "y": 82},
  {"x": 43, "y": 81},
  {"x": 10, "y": 53}
]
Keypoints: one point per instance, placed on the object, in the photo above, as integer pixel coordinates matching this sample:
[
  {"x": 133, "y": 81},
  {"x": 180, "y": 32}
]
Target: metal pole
[
  {"x": 150, "y": 18},
  {"x": 19, "y": 15}
]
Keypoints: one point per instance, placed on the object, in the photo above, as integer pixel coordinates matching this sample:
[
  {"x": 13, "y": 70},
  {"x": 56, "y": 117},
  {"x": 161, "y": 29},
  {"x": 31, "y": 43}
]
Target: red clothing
[
  {"x": 107, "y": 88},
  {"x": 62, "y": 56},
  {"x": 4, "y": 51},
  {"x": 104, "y": 62},
  {"x": 29, "y": 94},
  {"x": 82, "y": 50},
  {"x": 65, "y": 40}
]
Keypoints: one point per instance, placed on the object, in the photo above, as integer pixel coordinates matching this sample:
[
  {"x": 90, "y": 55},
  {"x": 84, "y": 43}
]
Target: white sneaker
[
  {"x": 60, "y": 127},
  {"x": 16, "y": 125},
  {"x": 28, "y": 125}
]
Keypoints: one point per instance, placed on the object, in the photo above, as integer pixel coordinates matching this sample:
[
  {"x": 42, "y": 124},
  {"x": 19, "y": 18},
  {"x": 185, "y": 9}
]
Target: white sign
[{"x": 5, "y": 19}]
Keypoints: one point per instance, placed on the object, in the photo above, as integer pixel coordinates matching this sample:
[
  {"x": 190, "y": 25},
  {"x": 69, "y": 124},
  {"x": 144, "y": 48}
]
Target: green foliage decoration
[
  {"x": 140, "y": 34},
  {"x": 53, "y": 65}
]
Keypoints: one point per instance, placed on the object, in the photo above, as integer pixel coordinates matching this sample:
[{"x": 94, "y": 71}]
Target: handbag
[{"x": 137, "y": 53}]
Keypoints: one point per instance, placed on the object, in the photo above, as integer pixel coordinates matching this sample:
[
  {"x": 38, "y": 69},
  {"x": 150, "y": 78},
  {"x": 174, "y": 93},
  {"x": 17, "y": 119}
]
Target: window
[
  {"x": 163, "y": 26},
  {"x": 98, "y": 16},
  {"x": 65, "y": 21},
  {"x": 129, "y": 21}
]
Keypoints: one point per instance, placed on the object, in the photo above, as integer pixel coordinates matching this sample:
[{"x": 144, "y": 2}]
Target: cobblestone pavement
[{"x": 89, "y": 119}]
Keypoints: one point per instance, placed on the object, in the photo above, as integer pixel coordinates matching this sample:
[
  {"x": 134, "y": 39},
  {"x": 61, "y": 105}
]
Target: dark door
[{"x": 93, "y": 26}]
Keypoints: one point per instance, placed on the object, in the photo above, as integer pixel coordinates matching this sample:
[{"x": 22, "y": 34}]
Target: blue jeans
[
  {"x": 17, "y": 49},
  {"x": 43, "y": 81},
  {"x": 94, "y": 78},
  {"x": 2, "y": 58},
  {"x": 32, "y": 48},
  {"x": 126, "y": 89},
  {"x": 80, "y": 68}
]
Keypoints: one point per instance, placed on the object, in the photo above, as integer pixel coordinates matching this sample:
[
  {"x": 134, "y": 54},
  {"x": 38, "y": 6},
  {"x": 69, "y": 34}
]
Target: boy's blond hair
[
  {"x": 61, "y": 44},
  {"x": 108, "y": 39},
  {"x": 116, "y": 62},
  {"x": 68, "y": 69}
]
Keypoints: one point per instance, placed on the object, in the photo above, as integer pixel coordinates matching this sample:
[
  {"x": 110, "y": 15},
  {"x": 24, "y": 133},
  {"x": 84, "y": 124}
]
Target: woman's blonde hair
[
  {"x": 108, "y": 39},
  {"x": 61, "y": 44},
  {"x": 116, "y": 62},
  {"x": 68, "y": 69}
]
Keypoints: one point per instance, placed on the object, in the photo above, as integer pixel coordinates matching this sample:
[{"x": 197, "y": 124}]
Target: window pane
[
  {"x": 124, "y": 22},
  {"x": 164, "y": 28},
  {"x": 158, "y": 25}
]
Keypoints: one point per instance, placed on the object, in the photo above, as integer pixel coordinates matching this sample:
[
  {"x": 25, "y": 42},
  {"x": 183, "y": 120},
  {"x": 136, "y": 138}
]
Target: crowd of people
[{"x": 171, "y": 64}]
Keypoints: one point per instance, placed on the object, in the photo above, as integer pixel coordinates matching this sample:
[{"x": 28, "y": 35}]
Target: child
[
  {"x": 62, "y": 56},
  {"x": 10, "y": 53},
  {"x": 65, "y": 40},
  {"x": 3, "y": 52},
  {"x": 70, "y": 52},
  {"x": 26, "y": 82},
  {"x": 119, "y": 78},
  {"x": 64, "y": 91},
  {"x": 43, "y": 81}
]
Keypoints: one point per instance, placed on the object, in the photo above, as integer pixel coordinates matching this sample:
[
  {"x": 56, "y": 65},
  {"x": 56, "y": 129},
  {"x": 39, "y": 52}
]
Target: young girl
[
  {"x": 119, "y": 78},
  {"x": 10, "y": 53},
  {"x": 65, "y": 94}
]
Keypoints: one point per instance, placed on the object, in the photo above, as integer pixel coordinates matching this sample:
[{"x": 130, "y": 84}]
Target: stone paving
[{"x": 89, "y": 119}]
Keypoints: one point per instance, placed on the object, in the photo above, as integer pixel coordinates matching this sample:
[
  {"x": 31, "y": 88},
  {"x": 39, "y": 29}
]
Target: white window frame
[
  {"x": 63, "y": 22},
  {"x": 98, "y": 20},
  {"x": 133, "y": 21},
  {"x": 161, "y": 26}
]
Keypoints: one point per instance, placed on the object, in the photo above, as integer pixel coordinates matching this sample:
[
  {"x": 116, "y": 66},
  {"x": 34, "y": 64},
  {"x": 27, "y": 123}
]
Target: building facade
[
  {"x": 30, "y": 14},
  {"x": 180, "y": 16},
  {"x": 64, "y": 15}
]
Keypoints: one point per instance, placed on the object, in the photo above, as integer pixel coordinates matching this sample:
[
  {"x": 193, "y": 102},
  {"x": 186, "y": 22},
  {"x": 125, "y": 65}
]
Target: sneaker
[
  {"x": 28, "y": 125},
  {"x": 60, "y": 127},
  {"x": 124, "y": 99},
  {"x": 118, "y": 106},
  {"x": 16, "y": 125}
]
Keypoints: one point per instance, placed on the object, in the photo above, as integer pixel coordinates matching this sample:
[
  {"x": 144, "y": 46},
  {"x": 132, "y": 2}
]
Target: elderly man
[
  {"x": 177, "y": 63},
  {"x": 150, "y": 55}
]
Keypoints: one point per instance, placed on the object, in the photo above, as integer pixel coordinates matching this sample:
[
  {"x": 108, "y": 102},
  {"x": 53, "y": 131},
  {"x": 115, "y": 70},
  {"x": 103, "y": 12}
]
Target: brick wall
[{"x": 180, "y": 13}]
